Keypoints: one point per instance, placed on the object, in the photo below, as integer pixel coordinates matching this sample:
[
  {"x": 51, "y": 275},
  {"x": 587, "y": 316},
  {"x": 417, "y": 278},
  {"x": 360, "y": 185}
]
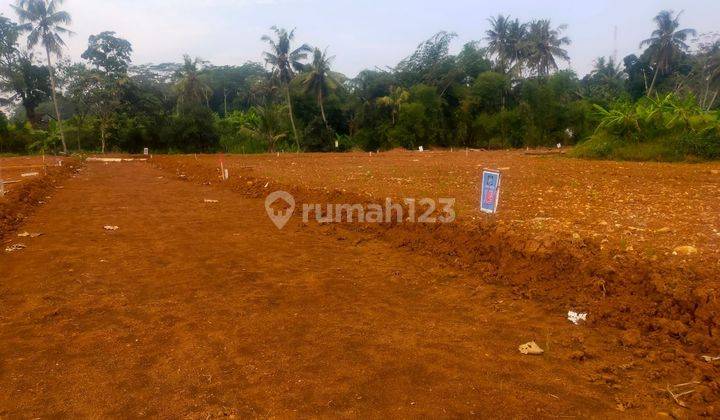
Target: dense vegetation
[{"x": 502, "y": 91}]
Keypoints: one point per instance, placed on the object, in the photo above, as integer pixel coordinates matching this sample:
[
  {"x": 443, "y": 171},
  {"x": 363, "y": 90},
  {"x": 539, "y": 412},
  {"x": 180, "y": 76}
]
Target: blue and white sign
[{"x": 490, "y": 191}]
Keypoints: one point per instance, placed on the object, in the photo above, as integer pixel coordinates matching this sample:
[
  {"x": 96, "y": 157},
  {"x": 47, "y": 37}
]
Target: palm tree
[
  {"x": 45, "y": 23},
  {"x": 285, "y": 62},
  {"x": 397, "y": 97},
  {"x": 666, "y": 41},
  {"x": 190, "y": 88},
  {"x": 544, "y": 45},
  {"x": 607, "y": 71},
  {"x": 505, "y": 42},
  {"x": 319, "y": 80},
  {"x": 606, "y": 81},
  {"x": 713, "y": 78},
  {"x": 268, "y": 125}
]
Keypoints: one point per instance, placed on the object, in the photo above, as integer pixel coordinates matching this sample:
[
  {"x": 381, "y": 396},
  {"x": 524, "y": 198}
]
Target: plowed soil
[{"x": 206, "y": 309}]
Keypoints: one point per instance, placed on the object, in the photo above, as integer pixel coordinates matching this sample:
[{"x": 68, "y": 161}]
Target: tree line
[{"x": 505, "y": 90}]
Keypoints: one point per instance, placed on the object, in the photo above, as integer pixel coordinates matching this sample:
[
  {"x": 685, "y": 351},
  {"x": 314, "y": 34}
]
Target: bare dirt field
[
  {"x": 644, "y": 208},
  {"x": 194, "y": 308},
  {"x": 28, "y": 182}
]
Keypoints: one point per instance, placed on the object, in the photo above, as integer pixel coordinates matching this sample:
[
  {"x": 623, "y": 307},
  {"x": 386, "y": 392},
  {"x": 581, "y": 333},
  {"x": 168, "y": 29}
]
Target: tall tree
[
  {"x": 19, "y": 76},
  {"x": 79, "y": 83},
  {"x": 506, "y": 39},
  {"x": 107, "y": 52},
  {"x": 9, "y": 32},
  {"x": 26, "y": 83},
  {"x": 431, "y": 63},
  {"x": 46, "y": 25},
  {"x": 606, "y": 81},
  {"x": 285, "y": 61},
  {"x": 666, "y": 42},
  {"x": 394, "y": 101},
  {"x": 319, "y": 80},
  {"x": 713, "y": 79},
  {"x": 105, "y": 100},
  {"x": 472, "y": 60},
  {"x": 544, "y": 45},
  {"x": 192, "y": 91}
]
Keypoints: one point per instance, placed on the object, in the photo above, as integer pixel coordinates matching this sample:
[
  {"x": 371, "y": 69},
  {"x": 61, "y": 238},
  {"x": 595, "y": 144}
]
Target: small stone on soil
[{"x": 531, "y": 348}]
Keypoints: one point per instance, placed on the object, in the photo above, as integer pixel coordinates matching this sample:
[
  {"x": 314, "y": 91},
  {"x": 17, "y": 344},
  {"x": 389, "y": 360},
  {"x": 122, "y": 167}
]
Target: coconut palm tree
[
  {"x": 285, "y": 62},
  {"x": 46, "y": 24},
  {"x": 607, "y": 72},
  {"x": 544, "y": 44},
  {"x": 319, "y": 80},
  {"x": 606, "y": 81},
  {"x": 505, "y": 42},
  {"x": 666, "y": 42},
  {"x": 713, "y": 78},
  {"x": 191, "y": 89},
  {"x": 268, "y": 125},
  {"x": 394, "y": 101}
]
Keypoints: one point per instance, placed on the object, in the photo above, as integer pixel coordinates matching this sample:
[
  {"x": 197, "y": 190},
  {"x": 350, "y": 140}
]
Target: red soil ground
[
  {"x": 197, "y": 309},
  {"x": 646, "y": 209},
  {"x": 23, "y": 193}
]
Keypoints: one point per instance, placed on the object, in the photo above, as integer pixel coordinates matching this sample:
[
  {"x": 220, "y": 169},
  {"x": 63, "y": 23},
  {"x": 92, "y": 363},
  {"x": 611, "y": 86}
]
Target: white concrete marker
[
  {"x": 146, "y": 151},
  {"x": 421, "y": 149}
]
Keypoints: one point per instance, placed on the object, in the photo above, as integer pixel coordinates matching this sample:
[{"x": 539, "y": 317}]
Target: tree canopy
[{"x": 508, "y": 89}]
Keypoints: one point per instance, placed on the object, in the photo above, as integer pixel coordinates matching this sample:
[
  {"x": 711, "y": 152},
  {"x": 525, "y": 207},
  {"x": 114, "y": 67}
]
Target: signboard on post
[{"x": 490, "y": 191}]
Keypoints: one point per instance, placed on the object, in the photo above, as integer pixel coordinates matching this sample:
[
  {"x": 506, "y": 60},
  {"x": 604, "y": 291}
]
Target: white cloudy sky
[{"x": 361, "y": 33}]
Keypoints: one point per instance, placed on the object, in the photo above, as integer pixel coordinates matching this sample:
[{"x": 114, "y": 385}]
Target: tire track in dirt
[{"x": 195, "y": 309}]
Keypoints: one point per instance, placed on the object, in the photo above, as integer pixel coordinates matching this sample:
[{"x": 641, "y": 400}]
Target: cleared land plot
[
  {"x": 203, "y": 309},
  {"x": 644, "y": 208}
]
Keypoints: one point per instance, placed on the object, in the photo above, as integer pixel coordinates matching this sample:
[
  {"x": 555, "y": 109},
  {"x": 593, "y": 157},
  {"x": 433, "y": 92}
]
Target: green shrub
[
  {"x": 193, "y": 130},
  {"x": 662, "y": 129}
]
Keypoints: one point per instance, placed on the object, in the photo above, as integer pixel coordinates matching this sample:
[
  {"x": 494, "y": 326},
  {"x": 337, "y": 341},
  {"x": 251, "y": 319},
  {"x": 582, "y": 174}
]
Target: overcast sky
[{"x": 361, "y": 33}]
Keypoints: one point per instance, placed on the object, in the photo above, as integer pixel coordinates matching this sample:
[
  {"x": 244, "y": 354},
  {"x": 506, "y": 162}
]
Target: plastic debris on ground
[
  {"x": 29, "y": 235},
  {"x": 207, "y": 200},
  {"x": 15, "y": 247},
  {"x": 576, "y": 317},
  {"x": 111, "y": 227}
]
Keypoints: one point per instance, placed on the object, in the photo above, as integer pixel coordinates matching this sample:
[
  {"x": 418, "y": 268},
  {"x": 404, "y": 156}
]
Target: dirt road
[{"x": 197, "y": 309}]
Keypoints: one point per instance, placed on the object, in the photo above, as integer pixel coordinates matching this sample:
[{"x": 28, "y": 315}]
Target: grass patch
[{"x": 603, "y": 146}]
